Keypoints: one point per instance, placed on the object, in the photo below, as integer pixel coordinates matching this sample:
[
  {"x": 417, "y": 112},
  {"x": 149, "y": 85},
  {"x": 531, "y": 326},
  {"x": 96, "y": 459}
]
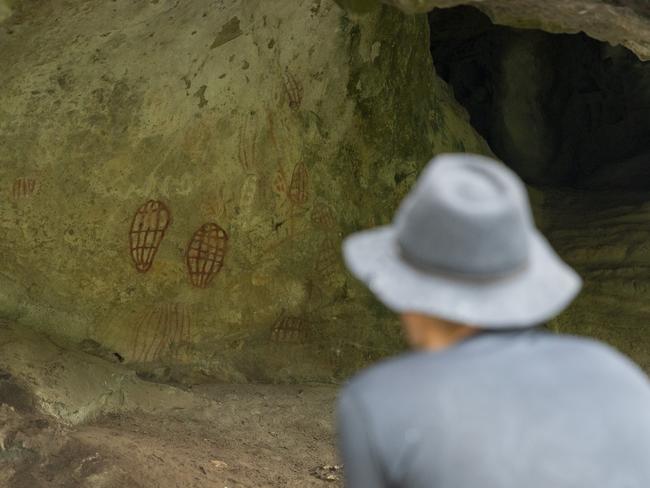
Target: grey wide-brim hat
[{"x": 463, "y": 247}]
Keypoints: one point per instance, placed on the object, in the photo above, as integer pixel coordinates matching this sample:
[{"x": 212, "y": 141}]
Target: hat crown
[{"x": 467, "y": 215}]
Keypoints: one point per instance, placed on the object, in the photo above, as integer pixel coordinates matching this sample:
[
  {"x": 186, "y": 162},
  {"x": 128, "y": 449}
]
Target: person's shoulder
[
  {"x": 583, "y": 344},
  {"x": 380, "y": 377},
  {"x": 595, "y": 352}
]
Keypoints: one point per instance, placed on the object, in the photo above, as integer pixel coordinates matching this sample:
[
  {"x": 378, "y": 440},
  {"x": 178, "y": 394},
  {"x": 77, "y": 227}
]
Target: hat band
[{"x": 432, "y": 269}]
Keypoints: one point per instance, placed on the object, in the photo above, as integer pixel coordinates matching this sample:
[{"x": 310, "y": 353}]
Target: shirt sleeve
[{"x": 361, "y": 466}]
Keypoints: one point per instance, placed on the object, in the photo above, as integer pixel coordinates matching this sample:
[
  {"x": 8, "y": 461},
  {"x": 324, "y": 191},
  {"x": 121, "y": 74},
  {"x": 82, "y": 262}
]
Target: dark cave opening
[{"x": 561, "y": 109}]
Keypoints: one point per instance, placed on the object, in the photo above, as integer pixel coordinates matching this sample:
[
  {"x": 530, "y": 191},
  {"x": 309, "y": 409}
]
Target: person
[{"x": 488, "y": 398}]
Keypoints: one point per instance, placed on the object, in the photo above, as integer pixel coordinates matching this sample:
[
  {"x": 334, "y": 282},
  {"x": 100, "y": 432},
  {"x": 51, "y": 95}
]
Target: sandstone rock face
[
  {"x": 625, "y": 22},
  {"x": 176, "y": 178}
]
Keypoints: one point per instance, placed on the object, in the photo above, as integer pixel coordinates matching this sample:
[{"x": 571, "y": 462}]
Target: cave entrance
[
  {"x": 571, "y": 115},
  {"x": 560, "y": 109}
]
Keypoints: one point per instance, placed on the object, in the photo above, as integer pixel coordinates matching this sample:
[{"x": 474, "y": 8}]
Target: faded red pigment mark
[
  {"x": 295, "y": 192},
  {"x": 327, "y": 261},
  {"x": 161, "y": 332},
  {"x": 147, "y": 231},
  {"x": 289, "y": 330},
  {"x": 247, "y": 146},
  {"x": 205, "y": 254},
  {"x": 322, "y": 215},
  {"x": 294, "y": 90},
  {"x": 23, "y": 187},
  {"x": 298, "y": 188}
]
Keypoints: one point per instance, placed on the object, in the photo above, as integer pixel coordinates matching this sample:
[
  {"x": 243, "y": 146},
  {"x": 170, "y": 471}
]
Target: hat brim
[{"x": 528, "y": 297}]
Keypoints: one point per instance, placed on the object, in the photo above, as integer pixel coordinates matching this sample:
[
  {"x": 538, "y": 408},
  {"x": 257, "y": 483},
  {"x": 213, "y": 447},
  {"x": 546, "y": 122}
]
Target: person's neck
[
  {"x": 441, "y": 338},
  {"x": 433, "y": 333}
]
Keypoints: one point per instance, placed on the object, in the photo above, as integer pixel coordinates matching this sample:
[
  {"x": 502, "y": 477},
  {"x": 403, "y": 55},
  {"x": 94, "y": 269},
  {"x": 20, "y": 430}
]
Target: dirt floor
[{"x": 263, "y": 436}]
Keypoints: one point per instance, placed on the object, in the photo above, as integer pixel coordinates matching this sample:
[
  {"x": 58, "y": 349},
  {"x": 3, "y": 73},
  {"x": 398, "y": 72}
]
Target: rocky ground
[
  {"x": 265, "y": 436},
  {"x": 153, "y": 436}
]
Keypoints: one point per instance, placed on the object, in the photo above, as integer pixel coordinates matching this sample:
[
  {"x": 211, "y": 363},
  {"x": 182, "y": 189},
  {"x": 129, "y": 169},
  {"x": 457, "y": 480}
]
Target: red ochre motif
[
  {"x": 147, "y": 231},
  {"x": 322, "y": 215},
  {"x": 298, "y": 188},
  {"x": 294, "y": 90},
  {"x": 205, "y": 254},
  {"x": 23, "y": 187},
  {"x": 289, "y": 330},
  {"x": 247, "y": 146},
  {"x": 161, "y": 332},
  {"x": 327, "y": 261}
]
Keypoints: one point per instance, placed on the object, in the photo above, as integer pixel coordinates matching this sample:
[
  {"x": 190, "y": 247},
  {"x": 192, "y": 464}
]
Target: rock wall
[
  {"x": 605, "y": 236},
  {"x": 560, "y": 109},
  {"x": 625, "y": 22},
  {"x": 176, "y": 177},
  {"x": 567, "y": 111}
]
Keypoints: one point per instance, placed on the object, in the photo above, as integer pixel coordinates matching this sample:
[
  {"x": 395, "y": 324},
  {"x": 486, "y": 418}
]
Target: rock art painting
[
  {"x": 205, "y": 254},
  {"x": 23, "y": 187},
  {"x": 147, "y": 231},
  {"x": 247, "y": 137},
  {"x": 293, "y": 196},
  {"x": 248, "y": 192},
  {"x": 294, "y": 90},
  {"x": 296, "y": 189},
  {"x": 322, "y": 216},
  {"x": 215, "y": 206},
  {"x": 160, "y": 332},
  {"x": 247, "y": 160},
  {"x": 289, "y": 330},
  {"x": 327, "y": 262}
]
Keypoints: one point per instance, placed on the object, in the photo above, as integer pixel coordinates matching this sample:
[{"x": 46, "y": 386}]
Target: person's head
[
  {"x": 432, "y": 333},
  {"x": 464, "y": 252}
]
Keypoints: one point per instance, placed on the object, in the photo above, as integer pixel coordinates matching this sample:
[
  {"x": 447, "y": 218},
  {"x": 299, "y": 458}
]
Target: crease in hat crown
[{"x": 467, "y": 215}]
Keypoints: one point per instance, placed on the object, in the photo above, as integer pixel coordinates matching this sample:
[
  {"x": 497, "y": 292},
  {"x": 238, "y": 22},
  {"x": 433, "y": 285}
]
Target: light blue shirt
[{"x": 509, "y": 409}]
